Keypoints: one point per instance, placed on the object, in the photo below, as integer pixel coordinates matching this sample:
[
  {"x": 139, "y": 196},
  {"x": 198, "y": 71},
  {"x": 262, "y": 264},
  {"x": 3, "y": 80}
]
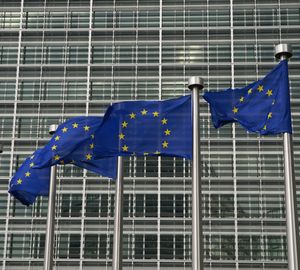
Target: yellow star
[
  {"x": 155, "y": 114},
  {"x": 269, "y": 115},
  {"x": 124, "y": 124},
  {"x": 165, "y": 144},
  {"x": 57, "y": 138},
  {"x": 62, "y": 162},
  {"x": 156, "y": 152},
  {"x": 164, "y": 121},
  {"x": 88, "y": 156},
  {"x": 64, "y": 129},
  {"x": 260, "y": 88},
  {"x": 265, "y": 127},
  {"x": 86, "y": 128},
  {"x": 250, "y": 91},
  {"x": 27, "y": 174},
  {"x": 75, "y": 125},
  {"x": 54, "y": 147},
  {"x": 19, "y": 181},
  {"x": 92, "y": 146},
  {"x": 32, "y": 157},
  {"x": 132, "y": 116},
  {"x": 167, "y": 132},
  {"x": 92, "y": 136},
  {"x": 125, "y": 148},
  {"x": 56, "y": 157},
  {"x": 144, "y": 112},
  {"x": 269, "y": 93},
  {"x": 241, "y": 99},
  {"x": 146, "y": 154},
  {"x": 121, "y": 136},
  {"x": 235, "y": 109},
  {"x": 31, "y": 164}
]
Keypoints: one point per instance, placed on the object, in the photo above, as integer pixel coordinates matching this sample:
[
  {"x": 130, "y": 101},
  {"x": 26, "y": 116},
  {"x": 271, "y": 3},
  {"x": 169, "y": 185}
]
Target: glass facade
[{"x": 64, "y": 58}]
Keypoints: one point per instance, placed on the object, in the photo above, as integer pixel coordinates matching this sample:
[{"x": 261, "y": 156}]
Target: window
[
  {"x": 146, "y": 205},
  {"x": 69, "y": 246},
  {"x": 145, "y": 246},
  {"x": 250, "y": 247},
  {"x": 71, "y": 205},
  {"x": 222, "y": 247},
  {"x": 150, "y": 246},
  {"x": 19, "y": 246},
  {"x": 98, "y": 205},
  {"x": 166, "y": 247}
]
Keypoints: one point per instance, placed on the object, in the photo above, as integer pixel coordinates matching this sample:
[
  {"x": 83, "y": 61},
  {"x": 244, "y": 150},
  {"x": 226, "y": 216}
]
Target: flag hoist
[
  {"x": 48, "y": 259},
  {"x": 195, "y": 85},
  {"x": 284, "y": 52}
]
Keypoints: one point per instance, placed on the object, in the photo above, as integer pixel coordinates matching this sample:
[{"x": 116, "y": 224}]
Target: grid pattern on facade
[{"x": 64, "y": 58}]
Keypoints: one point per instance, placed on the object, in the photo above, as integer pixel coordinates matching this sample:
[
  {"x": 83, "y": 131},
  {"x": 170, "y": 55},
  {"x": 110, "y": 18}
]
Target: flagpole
[
  {"x": 48, "y": 258},
  {"x": 282, "y": 52},
  {"x": 118, "y": 226},
  {"x": 195, "y": 85}
]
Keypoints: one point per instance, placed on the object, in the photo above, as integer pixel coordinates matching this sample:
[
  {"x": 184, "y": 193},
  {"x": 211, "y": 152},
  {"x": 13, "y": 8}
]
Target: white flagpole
[
  {"x": 195, "y": 85},
  {"x": 118, "y": 226},
  {"x": 284, "y": 51},
  {"x": 48, "y": 258}
]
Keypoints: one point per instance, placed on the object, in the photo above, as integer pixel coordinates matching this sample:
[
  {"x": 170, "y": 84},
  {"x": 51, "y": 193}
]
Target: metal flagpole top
[
  {"x": 284, "y": 51},
  {"x": 52, "y": 129},
  {"x": 196, "y": 81}
]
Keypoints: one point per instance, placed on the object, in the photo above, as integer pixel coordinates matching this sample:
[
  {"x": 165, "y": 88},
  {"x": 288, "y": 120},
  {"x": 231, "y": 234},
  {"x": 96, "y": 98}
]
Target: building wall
[{"x": 66, "y": 58}]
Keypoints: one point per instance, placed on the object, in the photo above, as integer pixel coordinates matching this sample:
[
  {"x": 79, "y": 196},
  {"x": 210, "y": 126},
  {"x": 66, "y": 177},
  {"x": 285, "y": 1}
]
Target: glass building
[{"x": 64, "y": 58}]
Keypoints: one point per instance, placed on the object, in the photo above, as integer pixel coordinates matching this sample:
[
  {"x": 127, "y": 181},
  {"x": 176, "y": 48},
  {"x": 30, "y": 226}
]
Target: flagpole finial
[
  {"x": 283, "y": 51},
  {"x": 196, "y": 81},
  {"x": 52, "y": 129}
]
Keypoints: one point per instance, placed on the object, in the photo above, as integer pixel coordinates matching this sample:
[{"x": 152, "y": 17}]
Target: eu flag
[
  {"x": 28, "y": 183},
  {"x": 73, "y": 142},
  {"x": 262, "y": 106},
  {"x": 146, "y": 128}
]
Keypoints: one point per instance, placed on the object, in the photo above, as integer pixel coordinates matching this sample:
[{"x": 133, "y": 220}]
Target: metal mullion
[
  {"x": 159, "y": 158},
  {"x": 158, "y": 211},
  {"x": 208, "y": 132},
  {"x": 66, "y": 53},
  {"x": 160, "y": 50},
  {"x": 234, "y": 141},
  {"x": 41, "y": 70},
  {"x": 13, "y": 132},
  {"x": 133, "y": 210},
  {"x": 136, "y": 50},
  {"x": 83, "y": 204},
  {"x": 109, "y": 207}
]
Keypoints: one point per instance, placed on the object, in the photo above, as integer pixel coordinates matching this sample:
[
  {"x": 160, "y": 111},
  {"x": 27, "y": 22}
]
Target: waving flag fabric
[
  {"x": 28, "y": 183},
  {"x": 262, "y": 106},
  {"x": 73, "y": 142},
  {"x": 146, "y": 128}
]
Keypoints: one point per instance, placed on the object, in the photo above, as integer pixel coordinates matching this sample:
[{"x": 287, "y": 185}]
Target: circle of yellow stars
[
  {"x": 27, "y": 173},
  {"x": 132, "y": 116},
  {"x": 75, "y": 125},
  {"x": 54, "y": 147},
  {"x": 242, "y": 99}
]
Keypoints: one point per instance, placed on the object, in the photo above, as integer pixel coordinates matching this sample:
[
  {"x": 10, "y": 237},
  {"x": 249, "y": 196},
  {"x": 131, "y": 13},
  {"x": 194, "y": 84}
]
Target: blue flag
[
  {"x": 262, "y": 106},
  {"x": 146, "y": 128},
  {"x": 73, "y": 142},
  {"x": 28, "y": 183}
]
